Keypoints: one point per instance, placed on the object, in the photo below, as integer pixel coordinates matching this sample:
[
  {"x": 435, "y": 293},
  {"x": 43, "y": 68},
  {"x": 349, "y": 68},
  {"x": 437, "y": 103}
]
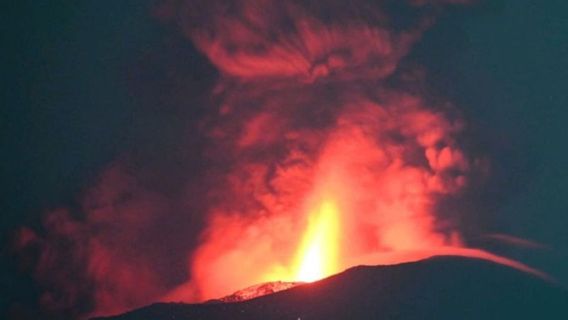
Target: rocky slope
[{"x": 437, "y": 288}]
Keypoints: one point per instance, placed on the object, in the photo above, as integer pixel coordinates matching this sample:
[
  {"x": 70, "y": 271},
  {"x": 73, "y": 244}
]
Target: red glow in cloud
[
  {"x": 309, "y": 124},
  {"x": 101, "y": 262},
  {"x": 316, "y": 161},
  {"x": 371, "y": 162}
]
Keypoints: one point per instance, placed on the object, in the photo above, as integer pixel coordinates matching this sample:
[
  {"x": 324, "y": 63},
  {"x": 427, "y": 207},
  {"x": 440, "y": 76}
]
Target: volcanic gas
[
  {"x": 337, "y": 158},
  {"x": 324, "y": 150},
  {"x": 335, "y": 155}
]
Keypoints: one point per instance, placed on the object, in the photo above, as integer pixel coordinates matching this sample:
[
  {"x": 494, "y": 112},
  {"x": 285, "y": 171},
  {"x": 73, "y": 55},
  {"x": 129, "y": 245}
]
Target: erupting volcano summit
[{"x": 315, "y": 145}]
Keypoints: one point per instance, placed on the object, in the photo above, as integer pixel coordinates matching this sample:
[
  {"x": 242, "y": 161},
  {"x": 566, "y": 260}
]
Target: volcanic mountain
[{"x": 443, "y": 287}]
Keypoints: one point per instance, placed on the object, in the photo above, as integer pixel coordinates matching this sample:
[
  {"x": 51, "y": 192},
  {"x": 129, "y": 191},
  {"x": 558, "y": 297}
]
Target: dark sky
[{"x": 73, "y": 103}]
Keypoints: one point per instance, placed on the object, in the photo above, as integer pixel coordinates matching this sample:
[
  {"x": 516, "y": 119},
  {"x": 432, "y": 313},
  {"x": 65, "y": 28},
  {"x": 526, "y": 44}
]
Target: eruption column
[{"x": 320, "y": 148}]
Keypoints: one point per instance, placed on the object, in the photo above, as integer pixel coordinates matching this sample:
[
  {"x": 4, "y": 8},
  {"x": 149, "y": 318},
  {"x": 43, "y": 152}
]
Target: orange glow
[
  {"x": 318, "y": 253},
  {"x": 307, "y": 151},
  {"x": 321, "y": 166}
]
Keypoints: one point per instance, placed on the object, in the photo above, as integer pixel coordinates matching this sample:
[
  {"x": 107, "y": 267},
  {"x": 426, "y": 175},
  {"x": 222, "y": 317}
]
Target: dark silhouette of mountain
[{"x": 437, "y": 288}]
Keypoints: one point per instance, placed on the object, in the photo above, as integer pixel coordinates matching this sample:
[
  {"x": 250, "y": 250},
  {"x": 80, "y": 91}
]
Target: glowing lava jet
[{"x": 318, "y": 254}]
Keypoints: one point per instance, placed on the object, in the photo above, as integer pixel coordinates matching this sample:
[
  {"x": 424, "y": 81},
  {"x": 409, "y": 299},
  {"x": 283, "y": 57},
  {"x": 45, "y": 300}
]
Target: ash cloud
[{"x": 310, "y": 101}]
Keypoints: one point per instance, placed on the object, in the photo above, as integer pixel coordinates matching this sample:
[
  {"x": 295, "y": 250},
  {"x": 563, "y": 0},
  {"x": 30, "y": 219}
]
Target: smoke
[
  {"x": 110, "y": 257},
  {"x": 314, "y": 109},
  {"x": 315, "y": 102}
]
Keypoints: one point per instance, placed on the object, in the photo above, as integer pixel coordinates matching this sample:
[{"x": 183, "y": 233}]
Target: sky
[{"x": 90, "y": 82}]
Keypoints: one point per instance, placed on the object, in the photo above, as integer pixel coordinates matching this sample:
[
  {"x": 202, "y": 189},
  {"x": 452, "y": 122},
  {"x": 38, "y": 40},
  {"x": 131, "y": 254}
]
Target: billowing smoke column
[
  {"x": 323, "y": 152},
  {"x": 310, "y": 117}
]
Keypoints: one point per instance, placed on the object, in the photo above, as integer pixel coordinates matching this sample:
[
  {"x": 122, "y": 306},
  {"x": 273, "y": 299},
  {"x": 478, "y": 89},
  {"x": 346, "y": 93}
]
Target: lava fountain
[{"x": 318, "y": 253}]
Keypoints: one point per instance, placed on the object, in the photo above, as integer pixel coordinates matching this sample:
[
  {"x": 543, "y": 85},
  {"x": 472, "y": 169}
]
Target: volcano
[{"x": 443, "y": 287}]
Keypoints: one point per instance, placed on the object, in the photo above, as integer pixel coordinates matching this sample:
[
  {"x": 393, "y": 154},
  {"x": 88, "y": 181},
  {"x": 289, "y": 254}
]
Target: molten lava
[{"x": 318, "y": 253}]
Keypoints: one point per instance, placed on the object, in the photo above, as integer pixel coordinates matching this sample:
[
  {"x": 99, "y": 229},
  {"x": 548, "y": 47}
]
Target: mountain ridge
[{"x": 442, "y": 287}]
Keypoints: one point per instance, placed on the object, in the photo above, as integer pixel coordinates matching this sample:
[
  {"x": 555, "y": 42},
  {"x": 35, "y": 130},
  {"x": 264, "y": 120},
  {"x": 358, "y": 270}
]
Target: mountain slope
[
  {"x": 258, "y": 290},
  {"x": 436, "y": 288}
]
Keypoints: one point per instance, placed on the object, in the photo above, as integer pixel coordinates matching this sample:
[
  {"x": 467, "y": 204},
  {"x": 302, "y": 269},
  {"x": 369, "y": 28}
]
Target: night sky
[{"x": 89, "y": 82}]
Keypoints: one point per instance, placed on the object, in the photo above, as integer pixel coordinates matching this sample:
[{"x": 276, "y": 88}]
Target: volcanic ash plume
[
  {"x": 322, "y": 151},
  {"x": 332, "y": 156}
]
